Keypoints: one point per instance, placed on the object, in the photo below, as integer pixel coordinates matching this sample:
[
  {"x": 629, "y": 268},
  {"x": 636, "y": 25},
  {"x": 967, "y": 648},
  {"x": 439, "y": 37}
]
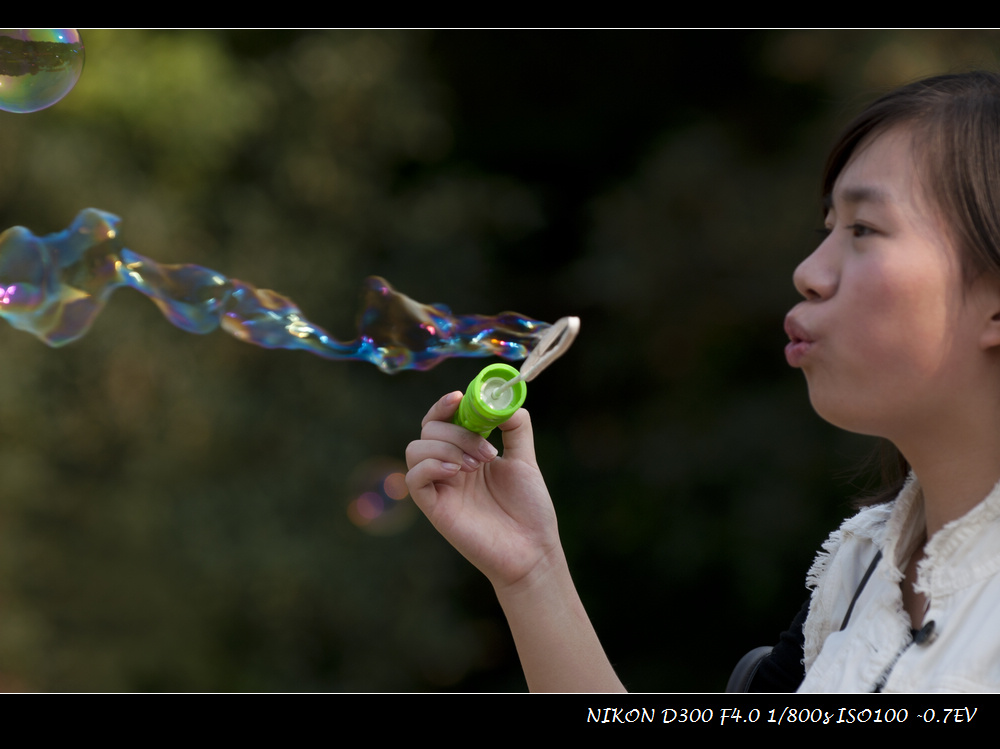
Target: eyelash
[{"x": 858, "y": 230}]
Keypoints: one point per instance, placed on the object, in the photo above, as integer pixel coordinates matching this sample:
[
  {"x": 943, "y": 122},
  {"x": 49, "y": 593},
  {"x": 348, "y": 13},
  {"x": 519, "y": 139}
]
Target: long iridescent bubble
[{"x": 55, "y": 286}]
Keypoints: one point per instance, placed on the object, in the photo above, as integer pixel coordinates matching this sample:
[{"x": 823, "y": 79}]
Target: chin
[{"x": 845, "y": 416}]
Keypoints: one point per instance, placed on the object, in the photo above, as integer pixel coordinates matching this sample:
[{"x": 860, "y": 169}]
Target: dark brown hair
[{"x": 955, "y": 124}]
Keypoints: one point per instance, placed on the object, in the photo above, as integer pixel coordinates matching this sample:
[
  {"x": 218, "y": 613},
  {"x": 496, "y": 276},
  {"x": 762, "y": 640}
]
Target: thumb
[{"x": 518, "y": 439}]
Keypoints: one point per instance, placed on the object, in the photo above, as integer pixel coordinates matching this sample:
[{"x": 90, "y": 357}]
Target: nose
[{"x": 816, "y": 277}]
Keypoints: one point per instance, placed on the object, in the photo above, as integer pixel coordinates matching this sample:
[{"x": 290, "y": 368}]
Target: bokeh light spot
[
  {"x": 395, "y": 486},
  {"x": 377, "y": 488}
]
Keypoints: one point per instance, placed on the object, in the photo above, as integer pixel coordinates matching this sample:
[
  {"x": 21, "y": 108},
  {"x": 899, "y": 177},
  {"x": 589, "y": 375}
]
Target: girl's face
[{"x": 890, "y": 338}]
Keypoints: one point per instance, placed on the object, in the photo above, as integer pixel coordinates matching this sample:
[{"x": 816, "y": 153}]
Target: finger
[
  {"x": 444, "y": 409},
  {"x": 440, "y": 450},
  {"x": 421, "y": 480},
  {"x": 518, "y": 439},
  {"x": 468, "y": 442}
]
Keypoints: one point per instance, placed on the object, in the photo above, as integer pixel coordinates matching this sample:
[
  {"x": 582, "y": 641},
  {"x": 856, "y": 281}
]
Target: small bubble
[{"x": 38, "y": 67}]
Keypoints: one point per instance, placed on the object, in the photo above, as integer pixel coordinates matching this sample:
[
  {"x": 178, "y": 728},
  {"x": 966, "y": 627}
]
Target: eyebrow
[{"x": 859, "y": 194}]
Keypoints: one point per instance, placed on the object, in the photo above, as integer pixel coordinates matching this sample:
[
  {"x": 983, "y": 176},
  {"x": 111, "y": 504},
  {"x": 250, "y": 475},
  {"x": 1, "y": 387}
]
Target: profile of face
[{"x": 891, "y": 339}]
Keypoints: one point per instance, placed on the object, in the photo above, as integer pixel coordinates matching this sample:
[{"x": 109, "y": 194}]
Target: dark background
[{"x": 175, "y": 510}]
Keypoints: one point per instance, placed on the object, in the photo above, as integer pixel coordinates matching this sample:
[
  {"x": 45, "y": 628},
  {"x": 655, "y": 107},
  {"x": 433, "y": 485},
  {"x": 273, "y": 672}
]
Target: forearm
[{"x": 557, "y": 644}]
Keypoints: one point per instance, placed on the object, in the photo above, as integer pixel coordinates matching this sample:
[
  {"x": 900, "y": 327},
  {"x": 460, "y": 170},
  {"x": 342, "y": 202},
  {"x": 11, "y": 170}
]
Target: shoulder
[
  {"x": 861, "y": 532},
  {"x": 838, "y": 570},
  {"x": 873, "y": 527}
]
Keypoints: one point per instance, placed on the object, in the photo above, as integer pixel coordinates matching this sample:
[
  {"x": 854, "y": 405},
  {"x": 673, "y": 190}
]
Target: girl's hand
[{"x": 495, "y": 510}]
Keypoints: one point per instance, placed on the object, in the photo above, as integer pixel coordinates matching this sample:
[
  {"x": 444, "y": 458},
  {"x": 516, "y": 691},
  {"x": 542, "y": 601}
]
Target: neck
[{"x": 954, "y": 475}]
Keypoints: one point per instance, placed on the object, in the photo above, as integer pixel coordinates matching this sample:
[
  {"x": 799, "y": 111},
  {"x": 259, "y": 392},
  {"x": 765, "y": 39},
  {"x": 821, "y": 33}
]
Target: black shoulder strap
[{"x": 861, "y": 587}]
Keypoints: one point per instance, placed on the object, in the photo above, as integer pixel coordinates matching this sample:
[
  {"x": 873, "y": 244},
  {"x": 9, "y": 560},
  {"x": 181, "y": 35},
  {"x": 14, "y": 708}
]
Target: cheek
[{"x": 900, "y": 320}]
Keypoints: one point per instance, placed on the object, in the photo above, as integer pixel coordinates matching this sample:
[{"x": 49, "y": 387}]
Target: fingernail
[
  {"x": 488, "y": 451},
  {"x": 470, "y": 462},
  {"x": 451, "y": 466}
]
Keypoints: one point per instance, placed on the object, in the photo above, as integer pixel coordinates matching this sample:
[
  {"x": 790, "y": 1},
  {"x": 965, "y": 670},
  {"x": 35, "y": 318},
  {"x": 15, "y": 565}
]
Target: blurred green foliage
[{"x": 174, "y": 511}]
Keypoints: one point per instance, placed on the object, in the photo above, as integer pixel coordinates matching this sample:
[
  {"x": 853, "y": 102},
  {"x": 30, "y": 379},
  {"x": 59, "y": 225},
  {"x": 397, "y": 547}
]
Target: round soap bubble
[{"x": 38, "y": 67}]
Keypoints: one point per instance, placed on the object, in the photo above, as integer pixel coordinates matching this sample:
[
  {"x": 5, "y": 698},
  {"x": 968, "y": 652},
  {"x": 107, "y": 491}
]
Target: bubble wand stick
[{"x": 499, "y": 390}]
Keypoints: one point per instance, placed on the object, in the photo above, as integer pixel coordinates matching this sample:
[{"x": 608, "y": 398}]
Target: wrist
[
  {"x": 549, "y": 579},
  {"x": 557, "y": 645}
]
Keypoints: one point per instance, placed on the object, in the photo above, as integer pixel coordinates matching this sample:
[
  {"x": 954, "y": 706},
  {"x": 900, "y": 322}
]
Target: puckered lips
[{"x": 799, "y": 341}]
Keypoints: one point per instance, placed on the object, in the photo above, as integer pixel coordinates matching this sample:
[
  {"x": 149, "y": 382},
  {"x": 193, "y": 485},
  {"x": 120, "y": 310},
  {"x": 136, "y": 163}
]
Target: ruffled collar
[{"x": 963, "y": 553}]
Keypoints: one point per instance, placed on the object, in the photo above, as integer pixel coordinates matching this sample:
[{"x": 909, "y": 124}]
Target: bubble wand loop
[
  {"x": 553, "y": 344},
  {"x": 499, "y": 390}
]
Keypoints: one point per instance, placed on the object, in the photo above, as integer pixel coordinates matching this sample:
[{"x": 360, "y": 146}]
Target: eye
[{"x": 860, "y": 230}]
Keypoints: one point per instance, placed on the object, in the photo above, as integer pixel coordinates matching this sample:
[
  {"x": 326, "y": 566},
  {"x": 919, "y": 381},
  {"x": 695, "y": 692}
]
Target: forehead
[{"x": 882, "y": 171}]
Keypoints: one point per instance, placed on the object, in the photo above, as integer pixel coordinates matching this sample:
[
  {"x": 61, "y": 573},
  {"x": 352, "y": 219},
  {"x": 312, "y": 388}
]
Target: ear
[
  {"x": 987, "y": 292},
  {"x": 991, "y": 334},
  {"x": 989, "y": 337}
]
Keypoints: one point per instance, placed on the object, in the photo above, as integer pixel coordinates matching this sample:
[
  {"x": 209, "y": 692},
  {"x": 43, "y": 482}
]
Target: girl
[{"x": 898, "y": 335}]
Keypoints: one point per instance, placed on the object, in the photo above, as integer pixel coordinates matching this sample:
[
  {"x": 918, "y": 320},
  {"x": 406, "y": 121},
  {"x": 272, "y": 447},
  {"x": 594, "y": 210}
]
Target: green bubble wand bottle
[{"x": 499, "y": 390}]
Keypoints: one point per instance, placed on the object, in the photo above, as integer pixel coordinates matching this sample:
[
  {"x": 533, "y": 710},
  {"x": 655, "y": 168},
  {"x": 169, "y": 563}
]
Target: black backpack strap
[
  {"x": 746, "y": 669},
  {"x": 861, "y": 587}
]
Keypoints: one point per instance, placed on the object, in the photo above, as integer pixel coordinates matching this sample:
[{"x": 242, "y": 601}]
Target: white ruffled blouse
[{"x": 959, "y": 576}]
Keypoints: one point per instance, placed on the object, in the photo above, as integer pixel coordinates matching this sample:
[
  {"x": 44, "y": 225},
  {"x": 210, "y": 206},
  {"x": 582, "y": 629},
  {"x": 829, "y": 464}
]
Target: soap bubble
[
  {"x": 38, "y": 67},
  {"x": 55, "y": 286}
]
